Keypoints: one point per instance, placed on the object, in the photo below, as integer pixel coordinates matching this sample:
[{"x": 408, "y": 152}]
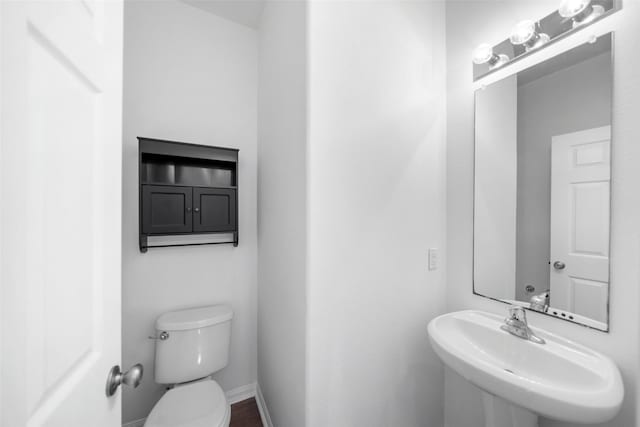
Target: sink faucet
[
  {"x": 540, "y": 302},
  {"x": 516, "y": 324}
]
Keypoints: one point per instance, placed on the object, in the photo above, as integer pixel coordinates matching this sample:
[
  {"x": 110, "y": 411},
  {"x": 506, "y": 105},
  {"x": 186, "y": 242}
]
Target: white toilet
[{"x": 191, "y": 345}]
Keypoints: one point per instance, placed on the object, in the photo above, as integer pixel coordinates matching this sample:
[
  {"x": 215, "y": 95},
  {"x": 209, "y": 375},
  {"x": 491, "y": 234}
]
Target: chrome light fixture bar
[{"x": 528, "y": 36}]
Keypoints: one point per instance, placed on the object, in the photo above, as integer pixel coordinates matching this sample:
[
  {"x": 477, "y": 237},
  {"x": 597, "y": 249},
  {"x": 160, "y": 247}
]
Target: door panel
[
  {"x": 588, "y": 296},
  {"x": 166, "y": 209},
  {"x": 580, "y": 205},
  {"x": 590, "y": 222},
  {"x": 214, "y": 209},
  {"x": 61, "y": 196}
]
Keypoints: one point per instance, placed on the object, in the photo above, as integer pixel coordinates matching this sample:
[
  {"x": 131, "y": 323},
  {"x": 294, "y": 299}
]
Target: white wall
[
  {"x": 188, "y": 76},
  {"x": 282, "y": 211},
  {"x": 468, "y": 24},
  {"x": 573, "y": 109},
  {"x": 496, "y": 168},
  {"x": 376, "y": 204}
]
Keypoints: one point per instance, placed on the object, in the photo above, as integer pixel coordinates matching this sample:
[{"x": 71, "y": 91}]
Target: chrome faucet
[
  {"x": 540, "y": 302},
  {"x": 516, "y": 324}
]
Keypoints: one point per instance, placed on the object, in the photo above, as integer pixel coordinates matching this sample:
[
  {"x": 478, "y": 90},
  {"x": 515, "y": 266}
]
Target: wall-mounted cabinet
[{"x": 187, "y": 189}]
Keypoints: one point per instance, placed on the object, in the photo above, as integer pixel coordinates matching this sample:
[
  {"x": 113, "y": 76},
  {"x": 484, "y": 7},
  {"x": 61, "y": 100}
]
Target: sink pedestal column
[{"x": 501, "y": 413}]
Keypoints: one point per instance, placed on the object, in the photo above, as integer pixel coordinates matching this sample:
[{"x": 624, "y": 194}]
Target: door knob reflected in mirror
[
  {"x": 559, "y": 265},
  {"x": 132, "y": 378}
]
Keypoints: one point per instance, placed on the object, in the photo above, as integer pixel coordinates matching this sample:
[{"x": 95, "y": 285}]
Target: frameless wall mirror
[{"x": 542, "y": 186}]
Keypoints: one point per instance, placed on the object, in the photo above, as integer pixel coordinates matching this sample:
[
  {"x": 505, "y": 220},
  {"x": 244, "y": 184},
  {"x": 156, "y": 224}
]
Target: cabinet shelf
[{"x": 187, "y": 189}]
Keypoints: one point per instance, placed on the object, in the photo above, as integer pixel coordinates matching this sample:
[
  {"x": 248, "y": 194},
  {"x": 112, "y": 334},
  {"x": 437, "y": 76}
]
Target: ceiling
[{"x": 245, "y": 12}]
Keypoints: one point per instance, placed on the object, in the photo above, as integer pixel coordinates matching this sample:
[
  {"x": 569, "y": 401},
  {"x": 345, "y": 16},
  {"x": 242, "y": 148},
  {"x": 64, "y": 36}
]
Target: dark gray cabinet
[
  {"x": 214, "y": 209},
  {"x": 167, "y": 209},
  {"x": 187, "y": 189}
]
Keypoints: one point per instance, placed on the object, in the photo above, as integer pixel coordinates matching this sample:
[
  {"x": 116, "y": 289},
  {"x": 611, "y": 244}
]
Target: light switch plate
[{"x": 433, "y": 258}]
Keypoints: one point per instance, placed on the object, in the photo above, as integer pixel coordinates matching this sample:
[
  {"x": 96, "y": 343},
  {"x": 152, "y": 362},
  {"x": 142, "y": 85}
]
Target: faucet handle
[{"x": 517, "y": 312}]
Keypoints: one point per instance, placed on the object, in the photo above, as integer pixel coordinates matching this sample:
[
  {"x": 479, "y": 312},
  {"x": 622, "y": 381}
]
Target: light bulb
[
  {"x": 525, "y": 33},
  {"x": 483, "y": 54},
  {"x": 580, "y": 11},
  {"x": 571, "y": 8}
]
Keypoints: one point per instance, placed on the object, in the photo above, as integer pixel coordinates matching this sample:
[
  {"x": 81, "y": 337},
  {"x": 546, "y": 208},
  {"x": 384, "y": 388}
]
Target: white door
[
  {"x": 580, "y": 187},
  {"x": 60, "y": 130}
]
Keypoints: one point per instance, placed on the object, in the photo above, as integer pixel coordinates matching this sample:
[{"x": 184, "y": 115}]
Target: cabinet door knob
[
  {"x": 196, "y": 210},
  {"x": 188, "y": 209}
]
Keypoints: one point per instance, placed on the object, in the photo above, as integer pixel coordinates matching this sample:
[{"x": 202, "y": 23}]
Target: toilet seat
[{"x": 198, "y": 404}]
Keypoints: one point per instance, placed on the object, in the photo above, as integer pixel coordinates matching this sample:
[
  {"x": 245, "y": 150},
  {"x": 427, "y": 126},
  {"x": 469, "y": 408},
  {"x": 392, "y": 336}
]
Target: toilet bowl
[
  {"x": 198, "y": 404},
  {"x": 192, "y": 344}
]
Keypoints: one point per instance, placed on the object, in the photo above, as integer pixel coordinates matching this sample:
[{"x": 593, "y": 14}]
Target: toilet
[{"x": 191, "y": 345}]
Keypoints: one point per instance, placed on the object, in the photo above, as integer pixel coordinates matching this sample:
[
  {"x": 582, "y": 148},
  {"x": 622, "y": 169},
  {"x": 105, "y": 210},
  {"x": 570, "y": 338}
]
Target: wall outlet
[{"x": 433, "y": 258}]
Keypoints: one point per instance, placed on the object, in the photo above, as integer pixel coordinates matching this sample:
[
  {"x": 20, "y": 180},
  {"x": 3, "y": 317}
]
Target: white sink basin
[{"x": 560, "y": 379}]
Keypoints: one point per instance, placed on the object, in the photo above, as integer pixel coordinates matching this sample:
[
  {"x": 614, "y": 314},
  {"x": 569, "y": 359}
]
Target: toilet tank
[{"x": 196, "y": 343}]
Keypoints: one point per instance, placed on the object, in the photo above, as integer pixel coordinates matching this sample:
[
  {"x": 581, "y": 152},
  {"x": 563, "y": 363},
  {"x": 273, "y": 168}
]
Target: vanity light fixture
[
  {"x": 527, "y": 37},
  {"x": 580, "y": 11},
  {"x": 483, "y": 54},
  {"x": 526, "y": 34}
]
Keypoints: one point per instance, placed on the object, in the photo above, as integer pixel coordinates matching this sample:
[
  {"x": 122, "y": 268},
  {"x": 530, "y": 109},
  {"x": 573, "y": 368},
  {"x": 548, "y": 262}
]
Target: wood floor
[{"x": 245, "y": 414}]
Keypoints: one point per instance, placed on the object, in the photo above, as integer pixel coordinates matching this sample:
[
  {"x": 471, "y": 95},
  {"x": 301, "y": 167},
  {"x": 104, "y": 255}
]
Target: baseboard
[
  {"x": 136, "y": 423},
  {"x": 241, "y": 393},
  {"x": 262, "y": 407}
]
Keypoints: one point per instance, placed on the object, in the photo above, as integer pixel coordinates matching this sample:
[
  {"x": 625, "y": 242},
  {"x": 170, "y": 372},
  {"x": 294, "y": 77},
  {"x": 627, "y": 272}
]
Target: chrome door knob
[
  {"x": 132, "y": 378},
  {"x": 559, "y": 265}
]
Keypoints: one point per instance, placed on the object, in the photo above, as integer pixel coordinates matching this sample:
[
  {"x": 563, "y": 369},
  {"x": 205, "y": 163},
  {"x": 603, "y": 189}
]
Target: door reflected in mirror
[{"x": 542, "y": 186}]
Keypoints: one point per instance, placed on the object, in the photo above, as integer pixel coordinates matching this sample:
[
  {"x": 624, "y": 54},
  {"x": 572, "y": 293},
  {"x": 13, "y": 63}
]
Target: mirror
[{"x": 542, "y": 186}]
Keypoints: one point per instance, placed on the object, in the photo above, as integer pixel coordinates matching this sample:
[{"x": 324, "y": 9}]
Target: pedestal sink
[{"x": 520, "y": 379}]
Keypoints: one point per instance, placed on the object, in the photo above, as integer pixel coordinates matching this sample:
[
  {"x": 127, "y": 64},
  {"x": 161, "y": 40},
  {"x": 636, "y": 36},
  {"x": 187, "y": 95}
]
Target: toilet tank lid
[{"x": 194, "y": 318}]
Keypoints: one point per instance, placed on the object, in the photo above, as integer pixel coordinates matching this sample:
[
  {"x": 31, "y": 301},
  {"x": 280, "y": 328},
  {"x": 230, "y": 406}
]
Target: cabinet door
[
  {"x": 166, "y": 209},
  {"x": 214, "y": 209}
]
